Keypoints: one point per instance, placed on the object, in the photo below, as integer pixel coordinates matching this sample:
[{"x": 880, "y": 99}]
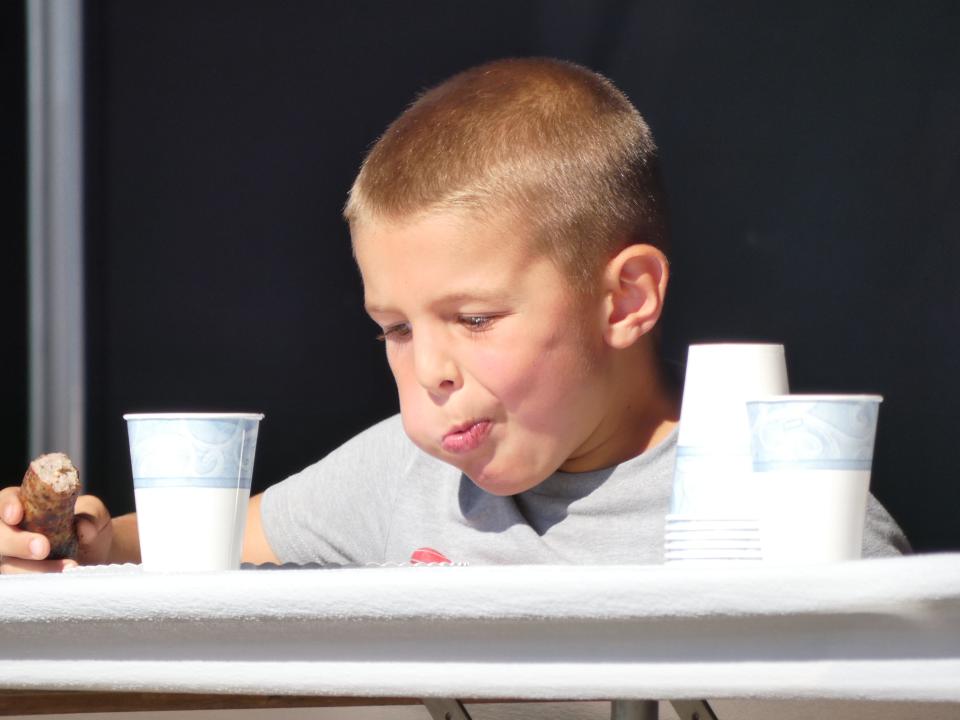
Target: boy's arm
[
  {"x": 256, "y": 549},
  {"x": 124, "y": 543}
]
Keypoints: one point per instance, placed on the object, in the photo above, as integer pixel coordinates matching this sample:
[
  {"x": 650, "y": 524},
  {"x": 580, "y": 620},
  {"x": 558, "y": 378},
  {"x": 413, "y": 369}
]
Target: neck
[{"x": 643, "y": 408}]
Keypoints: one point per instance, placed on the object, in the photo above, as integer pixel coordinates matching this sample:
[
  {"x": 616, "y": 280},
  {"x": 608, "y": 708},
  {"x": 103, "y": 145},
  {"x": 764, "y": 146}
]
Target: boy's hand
[{"x": 22, "y": 551}]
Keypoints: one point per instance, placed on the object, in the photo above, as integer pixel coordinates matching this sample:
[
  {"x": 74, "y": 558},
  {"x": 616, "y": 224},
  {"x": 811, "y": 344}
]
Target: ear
[{"x": 635, "y": 284}]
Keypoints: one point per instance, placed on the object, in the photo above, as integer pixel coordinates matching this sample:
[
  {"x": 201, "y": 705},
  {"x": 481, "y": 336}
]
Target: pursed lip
[{"x": 466, "y": 436}]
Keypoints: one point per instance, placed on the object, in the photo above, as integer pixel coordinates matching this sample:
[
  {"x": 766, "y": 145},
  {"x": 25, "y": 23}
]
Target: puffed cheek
[{"x": 414, "y": 419}]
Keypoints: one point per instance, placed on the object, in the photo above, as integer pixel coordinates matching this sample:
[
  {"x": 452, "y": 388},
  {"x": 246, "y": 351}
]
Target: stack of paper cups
[{"x": 714, "y": 508}]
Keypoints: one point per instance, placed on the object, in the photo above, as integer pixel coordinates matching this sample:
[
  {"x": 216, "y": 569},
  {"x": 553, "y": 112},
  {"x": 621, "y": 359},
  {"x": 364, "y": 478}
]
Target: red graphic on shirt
[{"x": 425, "y": 556}]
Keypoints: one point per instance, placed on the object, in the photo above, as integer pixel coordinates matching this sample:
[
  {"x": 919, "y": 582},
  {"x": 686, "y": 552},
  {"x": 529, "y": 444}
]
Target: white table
[{"x": 874, "y": 629}]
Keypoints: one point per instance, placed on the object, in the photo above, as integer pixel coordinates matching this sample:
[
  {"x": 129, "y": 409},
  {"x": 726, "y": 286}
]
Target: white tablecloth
[{"x": 874, "y": 629}]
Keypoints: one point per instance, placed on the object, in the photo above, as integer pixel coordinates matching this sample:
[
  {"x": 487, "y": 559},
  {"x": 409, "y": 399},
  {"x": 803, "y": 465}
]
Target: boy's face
[{"x": 498, "y": 364}]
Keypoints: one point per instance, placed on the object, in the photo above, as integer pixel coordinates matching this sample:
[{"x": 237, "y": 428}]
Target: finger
[
  {"x": 91, "y": 508},
  {"x": 94, "y": 531},
  {"x": 17, "y": 566},
  {"x": 11, "y": 509},
  {"x": 17, "y": 543},
  {"x": 94, "y": 548},
  {"x": 87, "y": 530}
]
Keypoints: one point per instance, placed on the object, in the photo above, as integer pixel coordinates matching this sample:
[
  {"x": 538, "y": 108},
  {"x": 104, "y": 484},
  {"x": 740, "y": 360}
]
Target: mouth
[{"x": 466, "y": 437}]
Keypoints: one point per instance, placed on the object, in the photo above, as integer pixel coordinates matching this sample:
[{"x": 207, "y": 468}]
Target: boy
[{"x": 510, "y": 232}]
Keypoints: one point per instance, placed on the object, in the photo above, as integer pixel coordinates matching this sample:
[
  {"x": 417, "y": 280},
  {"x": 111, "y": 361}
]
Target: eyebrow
[
  {"x": 451, "y": 298},
  {"x": 374, "y": 309}
]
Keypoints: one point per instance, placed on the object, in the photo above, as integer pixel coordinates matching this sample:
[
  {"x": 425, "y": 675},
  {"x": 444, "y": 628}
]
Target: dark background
[
  {"x": 14, "y": 387},
  {"x": 811, "y": 157}
]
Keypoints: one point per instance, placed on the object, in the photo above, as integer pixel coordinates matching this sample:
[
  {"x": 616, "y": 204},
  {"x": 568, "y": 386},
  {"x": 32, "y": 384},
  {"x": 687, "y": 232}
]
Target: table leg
[
  {"x": 443, "y": 709},
  {"x": 634, "y": 710},
  {"x": 693, "y": 710}
]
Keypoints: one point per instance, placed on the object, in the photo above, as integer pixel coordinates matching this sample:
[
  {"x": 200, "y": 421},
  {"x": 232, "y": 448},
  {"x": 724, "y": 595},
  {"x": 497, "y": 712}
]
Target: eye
[
  {"x": 399, "y": 331},
  {"x": 477, "y": 323}
]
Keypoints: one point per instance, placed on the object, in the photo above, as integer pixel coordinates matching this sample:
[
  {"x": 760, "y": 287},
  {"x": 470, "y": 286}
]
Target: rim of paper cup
[
  {"x": 817, "y": 397},
  {"x": 711, "y": 561},
  {"x": 714, "y": 556},
  {"x": 746, "y": 541},
  {"x": 194, "y": 416},
  {"x": 736, "y": 528},
  {"x": 711, "y": 518},
  {"x": 701, "y": 523},
  {"x": 704, "y": 562},
  {"x": 719, "y": 556},
  {"x": 711, "y": 534},
  {"x": 719, "y": 552},
  {"x": 701, "y": 528},
  {"x": 715, "y": 553},
  {"x": 689, "y": 546},
  {"x": 736, "y": 345}
]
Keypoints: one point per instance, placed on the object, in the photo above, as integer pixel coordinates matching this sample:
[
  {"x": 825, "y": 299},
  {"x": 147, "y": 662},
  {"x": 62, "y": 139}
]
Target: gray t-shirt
[{"x": 378, "y": 498}]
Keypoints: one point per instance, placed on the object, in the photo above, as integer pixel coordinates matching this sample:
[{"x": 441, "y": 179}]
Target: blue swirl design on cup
[
  {"x": 813, "y": 433},
  {"x": 192, "y": 452}
]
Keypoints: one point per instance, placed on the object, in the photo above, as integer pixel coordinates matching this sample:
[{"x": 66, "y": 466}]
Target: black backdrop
[
  {"x": 811, "y": 156},
  {"x": 13, "y": 243}
]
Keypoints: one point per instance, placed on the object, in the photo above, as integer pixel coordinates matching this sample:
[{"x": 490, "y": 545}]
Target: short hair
[{"x": 552, "y": 144}]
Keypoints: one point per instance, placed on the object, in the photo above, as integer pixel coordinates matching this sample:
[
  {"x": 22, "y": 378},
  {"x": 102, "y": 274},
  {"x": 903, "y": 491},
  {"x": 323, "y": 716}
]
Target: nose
[{"x": 434, "y": 365}]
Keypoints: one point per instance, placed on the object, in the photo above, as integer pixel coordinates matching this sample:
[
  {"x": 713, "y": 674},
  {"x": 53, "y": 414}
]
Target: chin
[{"x": 500, "y": 483}]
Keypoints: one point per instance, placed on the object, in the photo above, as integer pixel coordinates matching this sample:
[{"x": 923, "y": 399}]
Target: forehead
[
  {"x": 436, "y": 231},
  {"x": 439, "y": 254}
]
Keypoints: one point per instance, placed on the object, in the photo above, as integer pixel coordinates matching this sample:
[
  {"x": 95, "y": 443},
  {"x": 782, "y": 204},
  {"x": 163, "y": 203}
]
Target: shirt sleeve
[
  {"x": 882, "y": 537},
  {"x": 339, "y": 510}
]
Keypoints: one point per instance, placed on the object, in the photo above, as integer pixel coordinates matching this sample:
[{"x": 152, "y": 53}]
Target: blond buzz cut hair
[{"x": 547, "y": 145}]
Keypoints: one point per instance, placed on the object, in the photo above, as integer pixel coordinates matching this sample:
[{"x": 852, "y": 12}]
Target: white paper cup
[
  {"x": 709, "y": 522},
  {"x": 812, "y": 456},
  {"x": 671, "y": 545},
  {"x": 716, "y": 536},
  {"x": 191, "y": 477},
  {"x": 713, "y": 482},
  {"x": 719, "y": 379},
  {"x": 713, "y": 475},
  {"x": 712, "y": 564},
  {"x": 716, "y": 554}
]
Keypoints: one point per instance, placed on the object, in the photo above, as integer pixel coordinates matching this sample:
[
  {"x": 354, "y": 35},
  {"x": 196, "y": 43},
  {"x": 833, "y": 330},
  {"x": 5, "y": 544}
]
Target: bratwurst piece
[{"x": 49, "y": 492}]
